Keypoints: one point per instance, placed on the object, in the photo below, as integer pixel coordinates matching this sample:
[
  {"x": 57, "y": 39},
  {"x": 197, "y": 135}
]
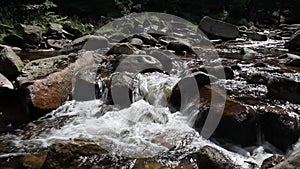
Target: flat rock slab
[{"x": 219, "y": 28}]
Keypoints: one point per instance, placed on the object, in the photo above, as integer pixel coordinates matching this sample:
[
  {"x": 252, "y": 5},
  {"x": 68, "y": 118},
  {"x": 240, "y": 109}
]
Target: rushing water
[{"x": 145, "y": 129}]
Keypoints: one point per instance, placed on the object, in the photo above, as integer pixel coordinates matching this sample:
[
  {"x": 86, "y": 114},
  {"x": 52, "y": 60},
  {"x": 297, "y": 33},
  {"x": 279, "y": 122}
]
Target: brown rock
[
  {"x": 292, "y": 162},
  {"x": 238, "y": 123},
  {"x": 34, "y": 161},
  {"x": 47, "y": 83}
]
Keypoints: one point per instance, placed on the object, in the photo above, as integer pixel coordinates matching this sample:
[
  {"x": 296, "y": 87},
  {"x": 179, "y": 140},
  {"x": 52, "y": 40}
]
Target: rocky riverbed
[{"x": 151, "y": 92}]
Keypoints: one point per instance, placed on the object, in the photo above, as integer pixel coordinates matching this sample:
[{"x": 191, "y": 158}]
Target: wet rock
[
  {"x": 55, "y": 30},
  {"x": 260, "y": 64},
  {"x": 73, "y": 33},
  {"x": 88, "y": 42},
  {"x": 209, "y": 157},
  {"x": 258, "y": 78},
  {"x": 121, "y": 86},
  {"x": 34, "y": 161},
  {"x": 272, "y": 161},
  {"x": 238, "y": 123},
  {"x": 184, "y": 91},
  {"x": 47, "y": 83},
  {"x": 32, "y": 34},
  {"x": 58, "y": 44},
  {"x": 146, "y": 38},
  {"x": 179, "y": 46},
  {"x": 284, "y": 89},
  {"x": 294, "y": 44},
  {"x": 10, "y": 63},
  {"x": 137, "y": 63},
  {"x": 74, "y": 154},
  {"x": 291, "y": 162},
  {"x": 248, "y": 53},
  {"x": 217, "y": 71},
  {"x": 121, "y": 48},
  {"x": 280, "y": 127},
  {"x": 14, "y": 40},
  {"x": 259, "y": 36},
  {"x": 136, "y": 42},
  {"x": 148, "y": 164},
  {"x": 290, "y": 59},
  {"x": 219, "y": 28}
]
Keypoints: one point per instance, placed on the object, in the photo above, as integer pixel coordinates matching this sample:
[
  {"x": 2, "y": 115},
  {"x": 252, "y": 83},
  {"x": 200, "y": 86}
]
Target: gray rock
[
  {"x": 58, "y": 44},
  {"x": 290, "y": 59},
  {"x": 88, "y": 42},
  {"x": 137, "y": 63},
  {"x": 10, "y": 63},
  {"x": 32, "y": 34},
  {"x": 121, "y": 48},
  {"x": 248, "y": 53},
  {"x": 217, "y": 71},
  {"x": 55, "y": 30},
  {"x": 294, "y": 44},
  {"x": 146, "y": 38},
  {"x": 219, "y": 28},
  {"x": 136, "y": 42}
]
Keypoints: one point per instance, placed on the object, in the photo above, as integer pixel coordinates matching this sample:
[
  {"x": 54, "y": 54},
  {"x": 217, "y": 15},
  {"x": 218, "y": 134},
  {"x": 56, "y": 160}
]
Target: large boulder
[
  {"x": 10, "y": 63},
  {"x": 294, "y": 44},
  {"x": 238, "y": 122},
  {"x": 185, "y": 91},
  {"x": 47, "y": 83},
  {"x": 219, "y": 28},
  {"x": 55, "y": 30},
  {"x": 146, "y": 38},
  {"x": 121, "y": 48}
]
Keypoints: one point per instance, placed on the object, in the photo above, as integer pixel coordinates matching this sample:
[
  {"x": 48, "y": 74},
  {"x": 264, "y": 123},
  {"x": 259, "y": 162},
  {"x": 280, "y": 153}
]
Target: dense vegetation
[{"x": 96, "y": 12}]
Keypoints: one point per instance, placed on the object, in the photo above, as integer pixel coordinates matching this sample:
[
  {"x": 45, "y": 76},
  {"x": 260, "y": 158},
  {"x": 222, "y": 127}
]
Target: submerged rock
[
  {"x": 257, "y": 36},
  {"x": 10, "y": 63},
  {"x": 219, "y": 28},
  {"x": 34, "y": 161}
]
